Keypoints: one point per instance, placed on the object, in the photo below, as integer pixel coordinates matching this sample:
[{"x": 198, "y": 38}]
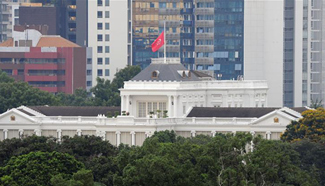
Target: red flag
[{"x": 159, "y": 42}]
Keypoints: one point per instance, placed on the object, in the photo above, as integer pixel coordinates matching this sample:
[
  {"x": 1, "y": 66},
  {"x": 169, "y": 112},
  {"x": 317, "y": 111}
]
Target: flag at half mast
[{"x": 159, "y": 42}]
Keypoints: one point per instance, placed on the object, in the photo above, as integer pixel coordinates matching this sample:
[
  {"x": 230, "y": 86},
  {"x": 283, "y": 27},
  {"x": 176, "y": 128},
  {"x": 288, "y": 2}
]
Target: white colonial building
[
  {"x": 164, "y": 96},
  {"x": 171, "y": 87}
]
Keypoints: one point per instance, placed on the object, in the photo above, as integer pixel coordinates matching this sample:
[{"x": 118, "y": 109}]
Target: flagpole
[{"x": 165, "y": 60}]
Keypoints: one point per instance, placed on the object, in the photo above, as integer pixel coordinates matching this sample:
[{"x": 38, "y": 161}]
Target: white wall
[{"x": 263, "y": 46}]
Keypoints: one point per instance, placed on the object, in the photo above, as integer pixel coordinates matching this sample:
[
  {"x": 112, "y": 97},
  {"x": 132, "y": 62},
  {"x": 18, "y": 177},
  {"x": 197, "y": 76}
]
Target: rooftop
[
  {"x": 72, "y": 110},
  {"x": 55, "y": 41},
  {"x": 170, "y": 71},
  {"x": 242, "y": 112}
]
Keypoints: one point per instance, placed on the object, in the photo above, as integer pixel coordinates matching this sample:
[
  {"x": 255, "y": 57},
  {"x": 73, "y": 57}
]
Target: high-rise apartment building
[
  {"x": 7, "y": 17},
  {"x": 109, "y": 36}
]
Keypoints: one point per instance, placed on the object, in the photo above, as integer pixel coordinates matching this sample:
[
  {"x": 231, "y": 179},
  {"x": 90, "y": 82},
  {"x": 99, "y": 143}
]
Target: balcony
[
  {"x": 169, "y": 11},
  {"x": 187, "y": 11}
]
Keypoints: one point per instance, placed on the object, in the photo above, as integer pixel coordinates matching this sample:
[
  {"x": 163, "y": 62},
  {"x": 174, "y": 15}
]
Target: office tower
[
  {"x": 226, "y": 39},
  {"x": 109, "y": 36},
  {"x": 304, "y": 60}
]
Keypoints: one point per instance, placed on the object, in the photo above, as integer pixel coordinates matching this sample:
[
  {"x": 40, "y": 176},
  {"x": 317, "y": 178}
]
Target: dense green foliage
[
  {"x": 164, "y": 159},
  {"x": 311, "y": 126},
  {"x": 16, "y": 93},
  {"x": 107, "y": 93},
  {"x": 37, "y": 168}
]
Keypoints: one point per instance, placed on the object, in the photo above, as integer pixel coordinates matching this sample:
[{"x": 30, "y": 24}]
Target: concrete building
[
  {"x": 303, "y": 52},
  {"x": 164, "y": 96},
  {"x": 7, "y": 17},
  {"x": 31, "y": 15},
  {"x": 130, "y": 130},
  {"x": 50, "y": 63},
  {"x": 109, "y": 35}
]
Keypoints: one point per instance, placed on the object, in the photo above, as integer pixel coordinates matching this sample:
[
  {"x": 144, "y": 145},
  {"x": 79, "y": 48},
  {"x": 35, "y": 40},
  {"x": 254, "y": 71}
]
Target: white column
[
  {"x": 20, "y": 133},
  {"x": 175, "y": 106},
  {"x": 169, "y": 113},
  {"x": 132, "y": 138},
  {"x": 252, "y": 144},
  {"x": 118, "y": 138},
  {"x": 38, "y": 132},
  {"x": 213, "y": 133},
  {"x": 193, "y": 133},
  {"x": 122, "y": 103},
  {"x": 234, "y": 133},
  {"x": 5, "y": 133},
  {"x": 127, "y": 108},
  {"x": 268, "y": 135},
  {"x": 147, "y": 133},
  {"x": 101, "y": 134},
  {"x": 79, "y": 132},
  {"x": 59, "y": 131}
]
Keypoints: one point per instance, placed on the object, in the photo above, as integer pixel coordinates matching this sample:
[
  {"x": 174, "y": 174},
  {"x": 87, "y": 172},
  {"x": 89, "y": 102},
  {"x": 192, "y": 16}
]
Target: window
[
  {"x": 99, "y": 37},
  {"x": 89, "y": 83},
  {"x": 88, "y": 72},
  {"x": 89, "y": 61},
  {"x": 99, "y": 14},
  {"x": 106, "y": 14},
  {"x": 162, "y": 5},
  {"x": 106, "y": 72},
  {"x": 99, "y": 72},
  {"x": 106, "y": 26},
  {"x": 99, "y": 49},
  {"x": 106, "y": 37},
  {"x": 152, "y": 5},
  {"x": 107, "y": 61},
  {"x": 106, "y": 49},
  {"x": 99, "y": 2},
  {"x": 99, "y": 61},
  {"x": 106, "y": 2},
  {"x": 100, "y": 26},
  {"x": 174, "y": 5}
]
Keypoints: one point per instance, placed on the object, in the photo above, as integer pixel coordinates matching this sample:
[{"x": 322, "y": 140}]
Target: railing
[{"x": 130, "y": 120}]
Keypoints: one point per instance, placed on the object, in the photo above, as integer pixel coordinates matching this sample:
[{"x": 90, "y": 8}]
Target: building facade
[
  {"x": 170, "y": 87},
  {"x": 109, "y": 35},
  {"x": 50, "y": 63},
  {"x": 7, "y": 16},
  {"x": 59, "y": 121}
]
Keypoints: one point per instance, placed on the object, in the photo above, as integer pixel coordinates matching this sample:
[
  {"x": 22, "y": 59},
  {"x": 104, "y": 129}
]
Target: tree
[
  {"x": 107, "y": 92},
  {"x": 311, "y": 126},
  {"x": 316, "y": 104},
  {"x": 17, "y": 147},
  {"x": 79, "y": 98},
  {"x": 37, "y": 168},
  {"x": 312, "y": 157},
  {"x": 14, "y": 94}
]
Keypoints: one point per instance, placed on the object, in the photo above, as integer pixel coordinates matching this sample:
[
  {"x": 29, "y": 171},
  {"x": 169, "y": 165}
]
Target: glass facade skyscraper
[{"x": 206, "y": 36}]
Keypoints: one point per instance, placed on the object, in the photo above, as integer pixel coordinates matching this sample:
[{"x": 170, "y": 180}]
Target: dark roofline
[{"x": 75, "y": 110}]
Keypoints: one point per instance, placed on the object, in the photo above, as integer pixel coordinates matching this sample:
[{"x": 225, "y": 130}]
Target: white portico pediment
[
  {"x": 275, "y": 118},
  {"x": 15, "y": 116}
]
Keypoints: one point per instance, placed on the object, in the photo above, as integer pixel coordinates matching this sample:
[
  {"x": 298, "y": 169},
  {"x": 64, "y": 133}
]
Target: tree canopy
[
  {"x": 37, "y": 168},
  {"x": 164, "y": 159},
  {"x": 311, "y": 126},
  {"x": 16, "y": 93}
]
